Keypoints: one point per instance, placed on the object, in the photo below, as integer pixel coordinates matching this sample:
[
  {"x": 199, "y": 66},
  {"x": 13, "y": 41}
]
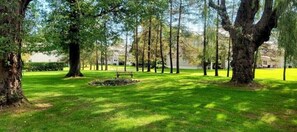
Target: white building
[{"x": 41, "y": 57}]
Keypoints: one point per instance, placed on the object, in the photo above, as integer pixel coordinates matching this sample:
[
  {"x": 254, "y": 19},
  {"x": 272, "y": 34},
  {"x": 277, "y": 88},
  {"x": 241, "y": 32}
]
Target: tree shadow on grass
[{"x": 171, "y": 103}]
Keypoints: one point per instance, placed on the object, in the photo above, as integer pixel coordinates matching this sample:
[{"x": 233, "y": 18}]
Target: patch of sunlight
[
  {"x": 286, "y": 90},
  {"x": 210, "y": 105},
  {"x": 248, "y": 124},
  {"x": 196, "y": 105},
  {"x": 226, "y": 98},
  {"x": 114, "y": 105},
  {"x": 269, "y": 118},
  {"x": 100, "y": 99},
  {"x": 294, "y": 121},
  {"x": 156, "y": 100},
  {"x": 134, "y": 122},
  {"x": 221, "y": 117},
  {"x": 163, "y": 93},
  {"x": 198, "y": 112},
  {"x": 43, "y": 105},
  {"x": 289, "y": 112},
  {"x": 243, "y": 106},
  {"x": 52, "y": 94},
  {"x": 290, "y": 102},
  {"x": 103, "y": 111},
  {"x": 75, "y": 78}
]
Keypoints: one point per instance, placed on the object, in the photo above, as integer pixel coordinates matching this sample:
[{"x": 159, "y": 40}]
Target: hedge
[{"x": 44, "y": 66}]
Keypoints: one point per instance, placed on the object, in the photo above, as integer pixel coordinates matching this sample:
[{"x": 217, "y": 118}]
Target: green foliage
[
  {"x": 287, "y": 36},
  {"x": 44, "y": 66}
]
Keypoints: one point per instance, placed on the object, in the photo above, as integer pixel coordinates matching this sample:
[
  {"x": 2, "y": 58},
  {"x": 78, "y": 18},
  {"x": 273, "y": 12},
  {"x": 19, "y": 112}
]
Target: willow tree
[
  {"x": 247, "y": 33},
  {"x": 287, "y": 36},
  {"x": 11, "y": 20}
]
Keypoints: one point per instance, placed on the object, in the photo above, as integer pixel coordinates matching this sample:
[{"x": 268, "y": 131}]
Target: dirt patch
[{"x": 113, "y": 82}]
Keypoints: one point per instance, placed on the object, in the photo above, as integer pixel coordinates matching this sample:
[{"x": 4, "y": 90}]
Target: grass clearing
[{"x": 159, "y": 102}]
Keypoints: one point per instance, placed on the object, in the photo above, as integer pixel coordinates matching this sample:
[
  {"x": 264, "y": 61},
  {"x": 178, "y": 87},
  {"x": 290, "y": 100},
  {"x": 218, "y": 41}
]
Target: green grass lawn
[{"x": 159, "y": 102}]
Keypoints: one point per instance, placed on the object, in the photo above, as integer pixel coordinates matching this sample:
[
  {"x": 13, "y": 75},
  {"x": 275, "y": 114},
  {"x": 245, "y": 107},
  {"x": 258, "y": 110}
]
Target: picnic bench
[{"x": 118, "y": 74}]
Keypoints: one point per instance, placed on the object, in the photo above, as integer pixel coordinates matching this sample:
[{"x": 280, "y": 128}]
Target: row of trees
[{"x": 73, "y": 26}]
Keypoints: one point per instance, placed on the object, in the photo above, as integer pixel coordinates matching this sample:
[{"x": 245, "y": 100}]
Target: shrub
[{"x": 44, "y": 66}]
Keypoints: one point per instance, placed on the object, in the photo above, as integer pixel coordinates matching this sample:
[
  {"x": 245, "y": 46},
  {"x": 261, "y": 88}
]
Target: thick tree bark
[
  {"x": 74, "y": 45},
  {"x": 74, "y": 60},
  {"x": 161, "y": 47},
  {"x": 149, "y": 46},
  {"x": 178, "y": 36},
  {"x": 170, "y": 38},
  {"x": 246, "y": 35},
  {"x": 11, "y": 93}
]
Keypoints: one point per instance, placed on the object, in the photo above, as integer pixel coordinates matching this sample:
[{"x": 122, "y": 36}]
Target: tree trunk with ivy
[
  {"x": 247, "y": 35},
  {"x": 12, "y": 14}
]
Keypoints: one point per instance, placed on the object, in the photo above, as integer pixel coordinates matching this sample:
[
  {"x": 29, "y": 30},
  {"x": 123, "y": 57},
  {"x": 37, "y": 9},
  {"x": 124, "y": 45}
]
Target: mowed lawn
[{"x": 159, "y": 102}]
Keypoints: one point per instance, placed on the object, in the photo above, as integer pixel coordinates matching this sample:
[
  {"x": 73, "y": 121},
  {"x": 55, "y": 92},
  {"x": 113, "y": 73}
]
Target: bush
[{"x": 44, "y": 66}]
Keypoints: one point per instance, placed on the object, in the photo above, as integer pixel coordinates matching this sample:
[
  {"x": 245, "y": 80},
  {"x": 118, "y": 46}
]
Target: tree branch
[
  {"x": 266, "y": 15},
  {"x": 267, "y": 22},
  {"x": 25, "y": 4},
  {"x": 222, "y": 10}
]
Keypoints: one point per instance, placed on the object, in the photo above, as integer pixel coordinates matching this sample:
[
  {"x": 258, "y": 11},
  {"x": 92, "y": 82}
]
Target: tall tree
[
  {"x": 287, "y": 36},
  {"x": 230, "y": 39},
  {"x": 247, "y": 35},
  {"x": 136, "y": 47},
  {"x": 178, "y": 36},
  {"x": 205, "y": 15},
  {"x": 217, "y": 45},
  {"x": 126, "y": 52},
  {"x": 149, "y": 45},
  {"x": 170, "y": 37},
  {"x": 161, "y": 46},
  {"x": 74, "y": 44},
  {"x": 11, "y": 20}
]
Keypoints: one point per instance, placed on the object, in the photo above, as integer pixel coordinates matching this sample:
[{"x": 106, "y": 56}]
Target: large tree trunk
[
  {"x": 74, "y": 61},
  {"x": 247, "y": 35},
  {"x": 243, "y": 59},
  {"x": 74, "y": 45},
  {"x": 11, "y": 93}
]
